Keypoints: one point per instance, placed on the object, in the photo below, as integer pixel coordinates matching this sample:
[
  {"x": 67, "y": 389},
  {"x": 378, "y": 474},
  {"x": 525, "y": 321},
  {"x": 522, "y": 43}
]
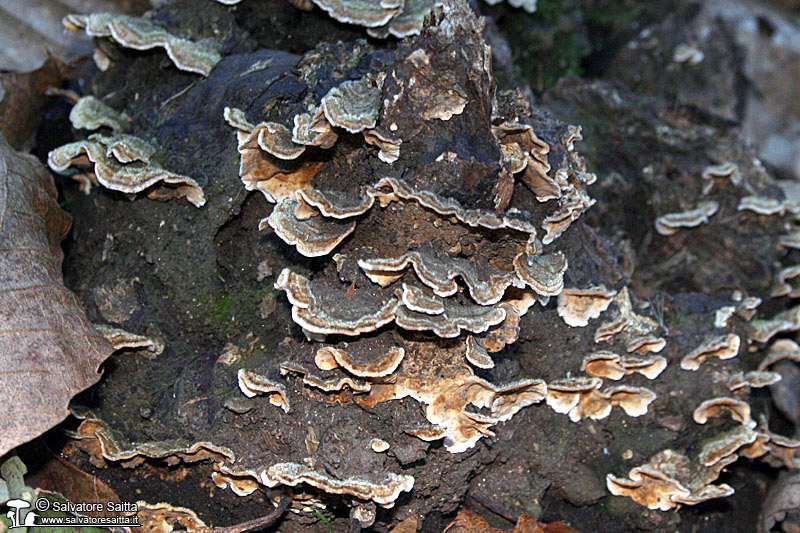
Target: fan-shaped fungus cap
[
  {"x": 338, "y": 205},
  {"x": 780, "y": 350},
  {"x": 603, "y": 364},
  {"x": 121, "y": 339},
  {"x": 723, "y": 446},
  {"x": 578, "y": 306},
  {"x": 610, "y": 365},
  {"x": 112, "y": 446},
  {"x": 407, "y": 22},
  {"x": 764, "y": 330},
  {"x": 239, "y": 485},
  {"x": 378, "y": 445},
  {"x": 313, "y": 310},
  {"x": 791, "y": 240},
  {"x": 439, "y": 273},
  {"x": 313, "y": 129},
  {"x": 353, "y": 105},
  {"x": 89, "y": 113},
  {"x": 564, "y": 394},
  {"x": 571, "y": 207},
  {"x": 382, "y": 490},
  {"x": 636, "y": 330},
  {"x": 597, "y": 404},
  {"x": 455, "y": 318},
  {"x": 648, "y": 487},
  {"x": 333, "y": 383},
  {"x": 724, "y": 170},
  {"x": 125, "y": 148},
  {"x": 670, "y": 223},
  {"x": 377, "y": 366},
  {"x": 165, "y": 517},
  {"x": 738, "y": 410},
  {"x": 762, "y": 205},
  {"x": 668, "y": 480},
  {"x": 755, "y": 379},
  {"x": 646, "y": 343},
  {"x": 476, "y": 353},
  {"x": 367, "y": 13},
  {"x": 314, "y": 236},
  {"x": 143, "y": 34},
  {"x": 275, "y": 139},
  {"x": 253, "y": 384},
  {"x": 543, "y": 273},
  {"x": 633, "y": 400},
  {"x": 389, "y": 146},
  {"x": 131, "y": 178},
  {"x": 421, "y": 301},
  {"x": 782, "y": 286},
  {"x": 722, "y": 347},
  {"x": 325, "y": 359},
  {"x": 364, "y": 514}
]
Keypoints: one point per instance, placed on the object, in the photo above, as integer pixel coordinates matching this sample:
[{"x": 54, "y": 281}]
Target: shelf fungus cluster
[
  {"x": 426, "y": 283},
  {"x": 119, "y": 161},
  {"x": 671, "y": 478},
  {"x": 400, "y": 18},
  {"x": 140, "y": 33},
  {"x": 429, "y": 275}
]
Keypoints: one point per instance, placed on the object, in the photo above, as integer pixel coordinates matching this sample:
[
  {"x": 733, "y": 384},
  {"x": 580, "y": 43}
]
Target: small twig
[
  {"x": 258, "y": 523},
  {"x": 178, "y": 94}
]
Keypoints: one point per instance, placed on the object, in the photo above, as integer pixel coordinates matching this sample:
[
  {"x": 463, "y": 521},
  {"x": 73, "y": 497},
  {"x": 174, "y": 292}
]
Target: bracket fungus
[
  {"x": 89, "y": 113},
  {"x": 755, "y": 379},
  {"x": 122, "y": 163},
  {"x": 596, "y": 404},
  {"x": 636, "y": 331},
  {"x": 408, "y": 281},
  {"x": 419, "y": 225},
  {"x": 578, "y": 306},
  {"x": 383, "y": 491},
  {"x": 670, "y": 223},
  {"x": 104, "y": 443},
  {"x": 143, "y": 34},
  {"x": 376, "y": 367},
  {"x": 668, "y": 480},
  {"x": 121, "y": 339},
  {"x": 400, "y": 18},
  {"x": 727, "y": 170},
  {"x": 778, "y": 351},
  {"x": 762, "y": 330},
  {"x": 782, "y": 285},
  {"x": 737, "y": 409},
  {"x": 253, "y": 384},
  {"x": 610, "y": 365},
  {"x": 722, "y": 347}
]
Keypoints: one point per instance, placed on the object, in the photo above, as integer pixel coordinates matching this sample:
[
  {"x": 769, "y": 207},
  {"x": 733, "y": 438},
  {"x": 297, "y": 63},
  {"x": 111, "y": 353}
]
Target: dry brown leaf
[
  {"x": 60, "y": 477},
  {"x": 48, "y": 349},
  {"x": 409, "y": 525},
  {"x": 469, "y": 522},
  {"x": 31, "y": 30},
  {"x": 22, "y": 97}
]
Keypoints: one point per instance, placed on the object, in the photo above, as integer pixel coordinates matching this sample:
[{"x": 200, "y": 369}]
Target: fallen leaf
[
  {"x": 409, "y": 525},
  {"x": 48, "y": 349},
  {"x": 22, "y": 96},
  {"x": 469, "y": 522},
  {"x": 60, "y": 477},
  {"x": 30, "y": 32}
]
